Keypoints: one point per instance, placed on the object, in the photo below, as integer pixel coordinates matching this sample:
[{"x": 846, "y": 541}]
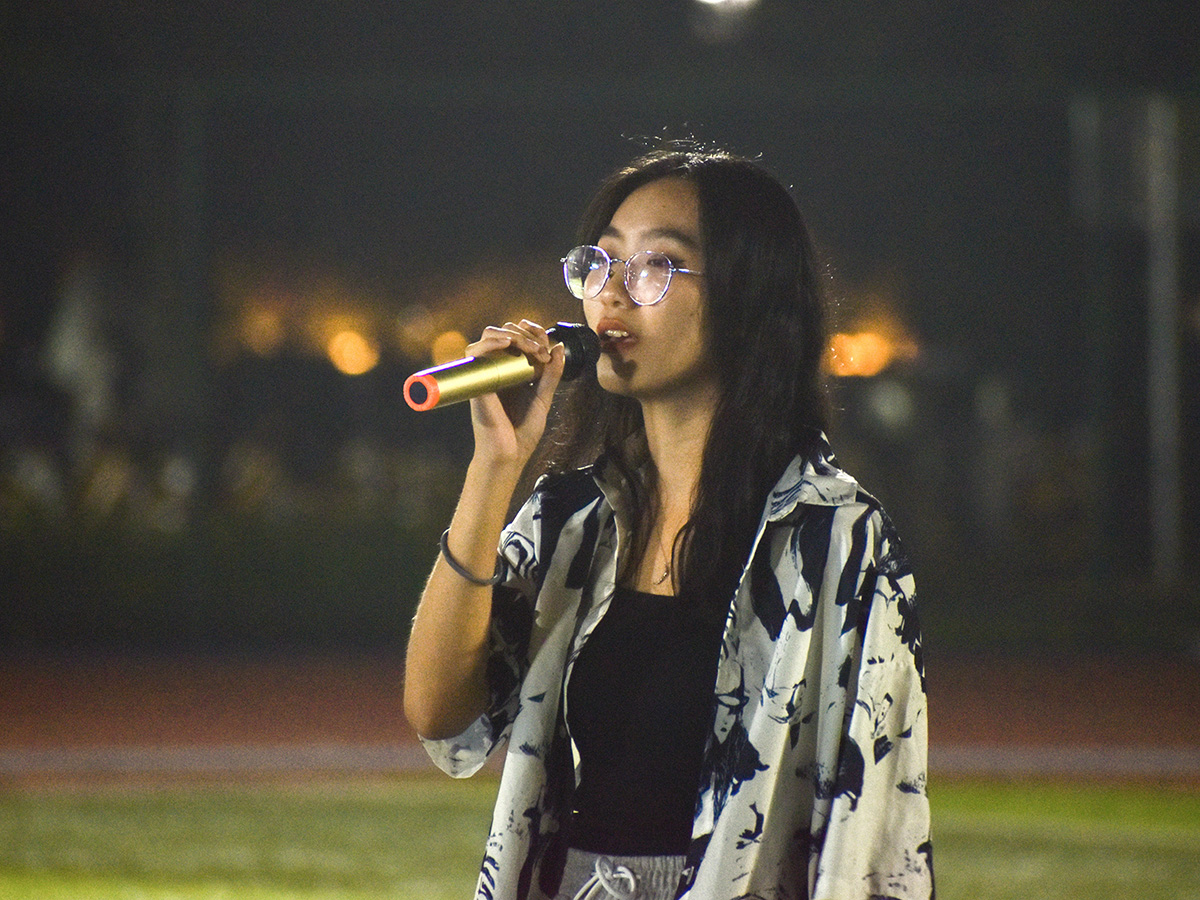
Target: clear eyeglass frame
[{"x": 648, "y": 273}]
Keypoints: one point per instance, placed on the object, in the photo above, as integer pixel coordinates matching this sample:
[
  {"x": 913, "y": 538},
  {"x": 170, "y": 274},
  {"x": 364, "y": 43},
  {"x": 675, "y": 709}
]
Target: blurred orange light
[
  {"x": 351, "y": 353},
  {"x": 448, "y": 346},
  {"x": 863, "y": 354}
]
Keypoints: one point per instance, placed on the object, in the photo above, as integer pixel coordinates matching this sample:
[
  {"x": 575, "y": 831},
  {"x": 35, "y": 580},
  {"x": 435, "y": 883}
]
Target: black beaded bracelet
[{"x": 460, "y": 569}]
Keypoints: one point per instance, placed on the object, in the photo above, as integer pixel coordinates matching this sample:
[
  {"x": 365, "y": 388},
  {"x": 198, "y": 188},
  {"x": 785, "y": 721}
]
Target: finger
[
  {"x": 527, "y": 337},
  {"x": 493, "y": 337},
  {"x": 551, "y": 375},
  {"x": 531, "y": 339}
]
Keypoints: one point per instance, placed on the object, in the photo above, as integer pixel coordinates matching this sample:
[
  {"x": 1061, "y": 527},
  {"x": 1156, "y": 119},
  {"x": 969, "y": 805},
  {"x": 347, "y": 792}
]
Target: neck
[{"x": 676, "y": 434}]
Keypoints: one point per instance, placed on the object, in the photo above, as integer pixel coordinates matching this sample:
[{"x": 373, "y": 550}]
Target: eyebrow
[{"x": 672, "y": 234}]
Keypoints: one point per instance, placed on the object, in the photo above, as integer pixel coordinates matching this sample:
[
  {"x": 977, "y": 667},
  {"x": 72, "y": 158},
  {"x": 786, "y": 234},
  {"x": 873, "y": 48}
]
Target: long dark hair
[{"x": 764, "y": 300}]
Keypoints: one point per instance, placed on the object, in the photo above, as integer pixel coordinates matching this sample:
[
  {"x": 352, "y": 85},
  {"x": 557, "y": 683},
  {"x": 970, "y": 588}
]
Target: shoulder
[
  {"x": 557, "y": 497},
  {"x": 573, "y": 489},
  {"x": 814, "y": 479},
  {"x": 561, "y": 524},
  {"x": 823, "y": 508}
]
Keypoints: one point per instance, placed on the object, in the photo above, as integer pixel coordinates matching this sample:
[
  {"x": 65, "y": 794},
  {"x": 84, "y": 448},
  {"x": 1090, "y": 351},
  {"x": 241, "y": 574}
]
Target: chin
[
  {"x": 614, "y": 376},
  {"x": 612, "y": 385}
]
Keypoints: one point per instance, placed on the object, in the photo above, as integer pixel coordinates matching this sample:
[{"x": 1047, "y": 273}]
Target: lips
[{"x": 614, "y": 335}]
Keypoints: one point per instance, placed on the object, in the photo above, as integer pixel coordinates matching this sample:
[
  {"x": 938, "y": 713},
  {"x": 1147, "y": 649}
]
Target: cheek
[
  {"x": 694, "y": 336},
  {"x": 591, "y": 315},
  {"x": 684, "y": 350}
]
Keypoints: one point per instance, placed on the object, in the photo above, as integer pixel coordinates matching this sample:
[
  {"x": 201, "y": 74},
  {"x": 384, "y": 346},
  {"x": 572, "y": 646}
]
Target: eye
[{"x": 659, "y": 262}]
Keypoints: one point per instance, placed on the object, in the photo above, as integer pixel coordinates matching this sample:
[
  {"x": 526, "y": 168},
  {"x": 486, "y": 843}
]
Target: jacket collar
[{"x": 816, "y": 481}]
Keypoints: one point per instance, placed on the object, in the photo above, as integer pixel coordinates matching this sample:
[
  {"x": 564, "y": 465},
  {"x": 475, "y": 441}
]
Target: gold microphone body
[{"x": 473, "y": 376}]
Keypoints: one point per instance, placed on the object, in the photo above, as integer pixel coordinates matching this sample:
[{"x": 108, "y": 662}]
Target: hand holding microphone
[{"x": 474, "y": 376}]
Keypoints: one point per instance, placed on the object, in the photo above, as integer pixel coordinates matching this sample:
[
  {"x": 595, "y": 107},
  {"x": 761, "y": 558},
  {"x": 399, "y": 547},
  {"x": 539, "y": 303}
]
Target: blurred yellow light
[
  {"x": 864, "y": 354},
  {"x": 448, "y": 346},
  {"x": 351, "y": 353}
]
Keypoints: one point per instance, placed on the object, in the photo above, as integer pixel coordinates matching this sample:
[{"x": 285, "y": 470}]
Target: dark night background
[{"x": 197, "y": 198}]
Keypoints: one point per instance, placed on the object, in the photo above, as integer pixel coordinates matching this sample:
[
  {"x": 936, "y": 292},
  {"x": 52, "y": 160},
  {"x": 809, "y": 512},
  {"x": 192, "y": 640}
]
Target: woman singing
[{"x": 698, "y": 635}]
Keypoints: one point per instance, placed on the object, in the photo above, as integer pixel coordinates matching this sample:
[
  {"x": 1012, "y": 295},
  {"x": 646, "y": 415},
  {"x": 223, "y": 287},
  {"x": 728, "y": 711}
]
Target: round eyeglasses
[{"x": 586, "y": 270}]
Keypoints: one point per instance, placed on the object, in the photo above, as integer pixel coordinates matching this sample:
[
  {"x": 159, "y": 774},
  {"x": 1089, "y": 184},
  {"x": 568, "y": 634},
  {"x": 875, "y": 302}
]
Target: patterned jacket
[{"x": 813, "y": 785}]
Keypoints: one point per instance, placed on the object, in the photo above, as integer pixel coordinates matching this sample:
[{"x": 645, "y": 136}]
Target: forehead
[{"x": 665, "y": 209}]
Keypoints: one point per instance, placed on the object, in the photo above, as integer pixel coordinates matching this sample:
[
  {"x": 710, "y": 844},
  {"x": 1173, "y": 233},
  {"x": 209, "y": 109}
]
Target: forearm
[{"x": 445, "y": 685}]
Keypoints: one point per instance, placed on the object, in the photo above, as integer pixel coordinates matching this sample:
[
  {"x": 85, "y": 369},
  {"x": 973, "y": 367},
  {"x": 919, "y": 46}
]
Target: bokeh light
[
  {"x": 351, "y": 353},
  {"x": 863, "y": 354},
  {"x": 262, "y": 329},
  {"x": 447, "y": 346}
]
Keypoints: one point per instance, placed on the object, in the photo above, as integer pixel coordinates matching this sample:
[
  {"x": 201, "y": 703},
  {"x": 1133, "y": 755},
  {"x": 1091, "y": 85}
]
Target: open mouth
[
  {"x": 613, "y": 335},
  {"x": 614, "y": 340}
]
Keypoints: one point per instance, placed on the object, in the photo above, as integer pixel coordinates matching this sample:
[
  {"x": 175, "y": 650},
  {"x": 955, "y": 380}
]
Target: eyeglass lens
[{"x": 647, "y": 274}]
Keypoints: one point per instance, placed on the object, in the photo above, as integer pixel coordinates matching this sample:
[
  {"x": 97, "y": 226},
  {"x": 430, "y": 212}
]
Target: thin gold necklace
[{"x": 667, "y": 561}]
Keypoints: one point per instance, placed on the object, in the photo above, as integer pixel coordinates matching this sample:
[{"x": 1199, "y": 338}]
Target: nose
[{"x": 614, "y": 291}]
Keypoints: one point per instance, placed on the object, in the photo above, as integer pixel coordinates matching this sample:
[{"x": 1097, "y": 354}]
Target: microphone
[{"x": 474, "y": 376}]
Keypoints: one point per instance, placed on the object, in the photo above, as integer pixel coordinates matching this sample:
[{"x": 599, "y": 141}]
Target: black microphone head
[{"x": 582, "y": 346}]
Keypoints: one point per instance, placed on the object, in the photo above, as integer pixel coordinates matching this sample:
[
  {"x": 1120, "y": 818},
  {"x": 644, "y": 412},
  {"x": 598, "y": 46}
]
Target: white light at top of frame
[{"x": 729, "y": 4}]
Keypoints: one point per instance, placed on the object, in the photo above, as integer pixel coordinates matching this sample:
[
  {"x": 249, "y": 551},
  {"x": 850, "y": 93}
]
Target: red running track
[{"x": 197, "y": 716}]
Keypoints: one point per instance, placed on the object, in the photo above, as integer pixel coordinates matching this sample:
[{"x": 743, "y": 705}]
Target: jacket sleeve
[
  {"x": 512, "y": 621},
  {"x": 877, "y": 843}
]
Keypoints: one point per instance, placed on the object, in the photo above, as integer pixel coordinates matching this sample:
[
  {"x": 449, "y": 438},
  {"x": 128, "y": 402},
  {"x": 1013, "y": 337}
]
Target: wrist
[{"x": 462, "y": 571}]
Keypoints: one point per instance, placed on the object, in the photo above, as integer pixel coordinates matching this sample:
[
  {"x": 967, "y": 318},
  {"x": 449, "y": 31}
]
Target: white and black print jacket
[{"x": 814, "y": 774}]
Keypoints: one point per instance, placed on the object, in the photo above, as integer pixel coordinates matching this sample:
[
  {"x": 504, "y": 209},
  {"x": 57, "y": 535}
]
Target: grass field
[{"x": 421, "y": 839}]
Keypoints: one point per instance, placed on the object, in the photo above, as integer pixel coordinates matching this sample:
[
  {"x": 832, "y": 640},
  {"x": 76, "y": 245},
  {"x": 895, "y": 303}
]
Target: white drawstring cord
[{"x": 604, "y": 877}]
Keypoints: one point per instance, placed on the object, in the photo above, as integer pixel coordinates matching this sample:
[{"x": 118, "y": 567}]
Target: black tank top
[{"x": 639, "y": 706}]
